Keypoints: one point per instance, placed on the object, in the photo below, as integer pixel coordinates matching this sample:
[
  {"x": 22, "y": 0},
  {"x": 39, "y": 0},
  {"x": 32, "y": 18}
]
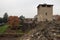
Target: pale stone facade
[{"x": 45, "y": 12}]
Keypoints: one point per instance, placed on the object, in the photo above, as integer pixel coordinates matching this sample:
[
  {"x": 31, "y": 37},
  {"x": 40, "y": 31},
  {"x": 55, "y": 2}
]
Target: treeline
[
  {"x": 16, "y": 22},
  {"x": 5, "y": 17}
]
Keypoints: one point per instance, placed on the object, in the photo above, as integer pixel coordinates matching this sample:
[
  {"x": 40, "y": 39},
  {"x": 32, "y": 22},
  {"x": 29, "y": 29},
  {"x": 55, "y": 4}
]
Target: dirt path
[{"x": 9, "y": 38}]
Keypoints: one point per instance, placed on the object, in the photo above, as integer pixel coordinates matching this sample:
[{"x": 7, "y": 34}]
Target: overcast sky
[{"x": 25, "y": 7}]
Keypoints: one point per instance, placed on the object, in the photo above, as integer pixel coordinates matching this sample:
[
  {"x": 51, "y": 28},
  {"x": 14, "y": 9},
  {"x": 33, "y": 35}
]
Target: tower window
[
  {"x": 45, "y": 13},
  {"x": 43, "y": 5},
  {"x": 48, "y": 6}
]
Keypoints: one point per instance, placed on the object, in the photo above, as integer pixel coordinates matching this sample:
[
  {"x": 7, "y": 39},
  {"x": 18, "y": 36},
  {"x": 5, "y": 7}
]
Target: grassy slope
[{"x": 3, "y": 28}]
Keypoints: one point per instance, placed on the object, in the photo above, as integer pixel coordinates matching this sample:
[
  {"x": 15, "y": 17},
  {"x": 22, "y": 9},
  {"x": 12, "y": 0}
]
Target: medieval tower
[{"x": 45, "y": 12}]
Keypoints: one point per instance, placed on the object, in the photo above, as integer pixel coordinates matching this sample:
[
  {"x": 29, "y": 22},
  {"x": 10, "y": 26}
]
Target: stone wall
[{"x": 45, "y": 13}]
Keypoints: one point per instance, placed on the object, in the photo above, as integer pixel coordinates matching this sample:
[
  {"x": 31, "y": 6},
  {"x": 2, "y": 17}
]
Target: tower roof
[{"x": 44, "y": 5}]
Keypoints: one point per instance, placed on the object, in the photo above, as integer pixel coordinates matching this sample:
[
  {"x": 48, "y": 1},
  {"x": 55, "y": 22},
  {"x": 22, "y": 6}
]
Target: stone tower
[{"x": 45, "y": 12}]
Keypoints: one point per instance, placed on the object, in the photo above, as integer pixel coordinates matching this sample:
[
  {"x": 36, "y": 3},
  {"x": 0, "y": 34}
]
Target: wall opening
[
  {"x": 48, "y": 6},
  {"x": 46, "y": 14},
  {"x": 43, "y": 5}
]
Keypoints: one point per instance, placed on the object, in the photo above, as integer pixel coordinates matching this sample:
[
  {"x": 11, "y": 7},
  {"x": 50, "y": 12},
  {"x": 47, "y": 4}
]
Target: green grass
[
  {"x": 19, "y": 31},
  {"x": 3, "y": 28}
]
